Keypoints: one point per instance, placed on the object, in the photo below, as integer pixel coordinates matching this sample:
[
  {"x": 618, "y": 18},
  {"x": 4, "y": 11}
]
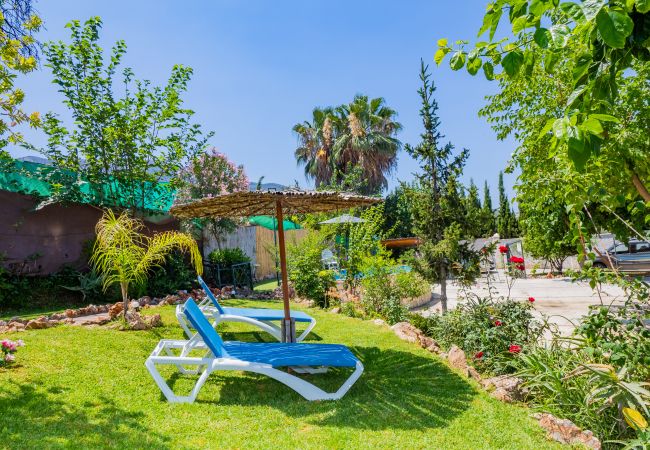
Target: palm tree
[
  {"x": 315, "y": 141},
  {"x": 338, "y": 140},
  {"x": 368, "y": 140},
  {"x": 124, "y": 255}
]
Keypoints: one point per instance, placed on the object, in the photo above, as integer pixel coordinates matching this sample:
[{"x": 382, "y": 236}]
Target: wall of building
[{"x": 41, "y": 241}]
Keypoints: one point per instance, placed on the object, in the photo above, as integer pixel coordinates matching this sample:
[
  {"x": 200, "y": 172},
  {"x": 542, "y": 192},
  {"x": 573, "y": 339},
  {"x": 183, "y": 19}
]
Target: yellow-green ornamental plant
[{"x": 122, "y": 254}]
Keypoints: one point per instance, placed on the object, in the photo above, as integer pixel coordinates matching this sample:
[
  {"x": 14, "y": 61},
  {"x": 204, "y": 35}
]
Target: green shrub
[
  {"x": 383, "y": 291},
  {"x": 492, "y": 333},
  {"x": 228, "y": 257},
  {"x": 176, "y": 274},
  {"x": 306, "y": 272}
]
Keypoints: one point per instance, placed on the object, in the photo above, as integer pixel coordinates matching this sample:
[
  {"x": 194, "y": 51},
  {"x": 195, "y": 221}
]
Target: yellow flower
[{"x": 634, "y": 419}]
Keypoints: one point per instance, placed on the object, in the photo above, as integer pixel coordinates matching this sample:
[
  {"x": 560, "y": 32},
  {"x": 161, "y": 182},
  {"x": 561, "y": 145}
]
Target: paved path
[{"x": 559, "y": 298}]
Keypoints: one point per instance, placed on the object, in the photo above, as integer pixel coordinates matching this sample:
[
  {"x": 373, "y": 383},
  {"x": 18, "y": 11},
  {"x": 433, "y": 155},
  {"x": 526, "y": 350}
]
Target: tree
[
  {"x": 123, "y": 255},
  {"x": 436, "y": 219},
  {"x": 358, "y": 134},
  {"x": 603, "y": 192},
  {"x": 507, "y": 224},
  {"x": 487, "y": 213},
  {"x": 129, "y": 147},
  {"x": 610, "y": 38},
  {"x": 473, "y": 212},
  {"x": 398, "y": 211},
  {"x": 18, "y": 52},
  {"x": 209, "y": 174}
]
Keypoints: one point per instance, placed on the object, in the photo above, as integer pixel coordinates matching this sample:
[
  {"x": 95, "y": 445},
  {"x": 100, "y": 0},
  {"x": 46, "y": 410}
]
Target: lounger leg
[
  {"x": 306, "y": 389},
  {"x": 166, "y": 390},
  {"x": 305, "y": 333}
]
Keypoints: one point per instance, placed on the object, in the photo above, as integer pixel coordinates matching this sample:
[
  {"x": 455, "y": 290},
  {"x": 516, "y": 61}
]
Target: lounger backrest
[
  {"x": 210, "y": 295},
  {"x": 201, "y": 324}
]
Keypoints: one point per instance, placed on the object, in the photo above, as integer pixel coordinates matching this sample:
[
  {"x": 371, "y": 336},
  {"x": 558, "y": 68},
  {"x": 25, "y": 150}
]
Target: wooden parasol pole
[{"x": 288, "y": 328}]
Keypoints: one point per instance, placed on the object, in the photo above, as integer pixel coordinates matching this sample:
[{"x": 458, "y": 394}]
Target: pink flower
[
  {"x": 5, "y": 343},
  {"x": 514, "y": 348},
  {"x": 9, "y": 358},
  {"x": 478, "y": 355},
  {"x": 531, "y": 299},
  {"x": 498, "y": 323}
]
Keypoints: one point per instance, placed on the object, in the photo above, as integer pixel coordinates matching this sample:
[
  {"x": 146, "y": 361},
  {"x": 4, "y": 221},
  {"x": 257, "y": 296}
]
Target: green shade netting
[
  {"x": 41, "y": 180},
  {"x": 271, "y": 223}
]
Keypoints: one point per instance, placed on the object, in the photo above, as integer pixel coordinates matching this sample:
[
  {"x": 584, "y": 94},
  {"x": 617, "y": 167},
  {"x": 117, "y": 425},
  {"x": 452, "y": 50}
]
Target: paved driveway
[{"x": 558, "y": 298}]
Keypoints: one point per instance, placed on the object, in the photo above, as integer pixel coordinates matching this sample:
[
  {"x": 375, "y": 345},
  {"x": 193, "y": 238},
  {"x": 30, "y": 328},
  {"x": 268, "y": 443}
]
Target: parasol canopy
[
  {"x": 344, "y": 218},
  {"x": 277, "y": 203}
]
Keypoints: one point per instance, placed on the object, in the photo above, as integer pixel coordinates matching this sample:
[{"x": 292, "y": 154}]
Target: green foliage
[
  {"x": 124, "y": 256},
  {"x": 364, "y": 241},
  {"x": 134, "y": 141},
  {"x": 89, "y": 285},
  {"x": 398, "y": 207},
  {"x": 306, "y": 272},
  {"x": 613, "y": 37},
  {"x": 342, "y": 139},
  {"x": 473, "y": 212},
  {"x": 486, "y": 329},
  {"x": 438, "y": 217},
  {"x": 228, "y": 256},
  {"x": 382, "y": 291},
  {"x": 18, "y": 52},
  {"x": 173, "y": 275},
  {"x": 506, "y": 221}
]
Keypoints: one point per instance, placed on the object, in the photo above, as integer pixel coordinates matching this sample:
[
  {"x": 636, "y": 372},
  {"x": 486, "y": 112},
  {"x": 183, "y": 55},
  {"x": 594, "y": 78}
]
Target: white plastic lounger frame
[{"x": 163, "y": 355}]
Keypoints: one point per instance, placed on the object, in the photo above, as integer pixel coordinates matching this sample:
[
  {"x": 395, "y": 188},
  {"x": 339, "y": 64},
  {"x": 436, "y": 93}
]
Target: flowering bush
[
  {"x": 495, "y": 332},
  {"x": 9, "y": 348}
]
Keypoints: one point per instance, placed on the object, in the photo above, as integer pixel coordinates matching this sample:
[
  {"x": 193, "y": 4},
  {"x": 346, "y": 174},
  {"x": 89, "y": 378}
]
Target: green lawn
[
  {"x": 266, "y": 285},
  {"x": 80, "y": 387}
]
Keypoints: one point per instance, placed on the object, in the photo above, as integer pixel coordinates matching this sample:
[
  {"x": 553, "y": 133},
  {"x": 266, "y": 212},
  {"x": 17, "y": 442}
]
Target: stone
[
  {"x": 473, "y": 373},
  {"x": 379, "y": 322},
  {"x": 3, "y": 323},
  {"x": 70, "y": 313},
  {"x": 134, "y": 305},
  {"x": 406, "y": 332},
  {"x": 38, "y": 324},
  {"x": 336, "y": 310},
  {"x": 153, "y": 320},
  {"x": 58, "y": 316},
  {"x": 458, "y": 360},
  {"x": 429, "y": 343},
  {"x": 506, "y": 388},
  {"x": 115, "y": 310},
  {"x": 16, "y": 326},
  {"x": 566, "y": 432}
]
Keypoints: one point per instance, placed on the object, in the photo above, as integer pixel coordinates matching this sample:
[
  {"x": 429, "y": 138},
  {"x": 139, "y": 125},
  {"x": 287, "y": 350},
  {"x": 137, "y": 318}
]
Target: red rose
[
  {"x": 478, "y": 355},
  {"x": 516, "y": 260},
  {"x": 498, "y": 323},
  {"x": 531, "y": 299},
  {"x": 503, "y": 249},
  {"x": 514, "y": 348},
  {"x": 521, "y": 267}
]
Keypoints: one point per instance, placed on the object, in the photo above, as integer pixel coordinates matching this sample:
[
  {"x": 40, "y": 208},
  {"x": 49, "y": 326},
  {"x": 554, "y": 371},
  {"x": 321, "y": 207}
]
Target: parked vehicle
[{"x": 631, "y": 257}]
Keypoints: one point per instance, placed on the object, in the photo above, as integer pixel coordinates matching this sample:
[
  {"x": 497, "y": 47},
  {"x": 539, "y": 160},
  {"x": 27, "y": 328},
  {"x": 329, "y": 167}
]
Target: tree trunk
[
  {"x": 640, "y": 187},
  {"x": 125, "y": 297},
  {"x": 443, "y": 288}
]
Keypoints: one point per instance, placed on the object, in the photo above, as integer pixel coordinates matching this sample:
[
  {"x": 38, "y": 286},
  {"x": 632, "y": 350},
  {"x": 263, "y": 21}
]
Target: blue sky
[{"x": 262, "y": 66}]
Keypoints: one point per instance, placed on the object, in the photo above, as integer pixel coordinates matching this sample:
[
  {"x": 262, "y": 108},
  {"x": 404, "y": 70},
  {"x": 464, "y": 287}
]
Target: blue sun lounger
[
  {"x": 261, "y": 318},
  {"x": 263, "y": 358}
]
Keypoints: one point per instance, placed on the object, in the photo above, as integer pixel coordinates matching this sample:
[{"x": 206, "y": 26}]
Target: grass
[
  {"x": 266, "y": 285},
  {"x": 76, "y": 387}
]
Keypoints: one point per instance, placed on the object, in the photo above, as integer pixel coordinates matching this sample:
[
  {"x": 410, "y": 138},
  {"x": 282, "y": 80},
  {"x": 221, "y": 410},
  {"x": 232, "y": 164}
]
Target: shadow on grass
[
  {"x": 33, "y": 418},
  {"x": 398, "y": 390}
]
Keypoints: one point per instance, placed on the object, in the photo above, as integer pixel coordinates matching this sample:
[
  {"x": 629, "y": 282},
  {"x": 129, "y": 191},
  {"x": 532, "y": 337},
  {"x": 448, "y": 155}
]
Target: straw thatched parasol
[{"x": 278, "y": 203}]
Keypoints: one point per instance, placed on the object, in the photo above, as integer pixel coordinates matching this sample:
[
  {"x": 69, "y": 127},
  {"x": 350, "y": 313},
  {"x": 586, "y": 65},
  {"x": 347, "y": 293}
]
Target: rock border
[{"x": 506, "y": 388}]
